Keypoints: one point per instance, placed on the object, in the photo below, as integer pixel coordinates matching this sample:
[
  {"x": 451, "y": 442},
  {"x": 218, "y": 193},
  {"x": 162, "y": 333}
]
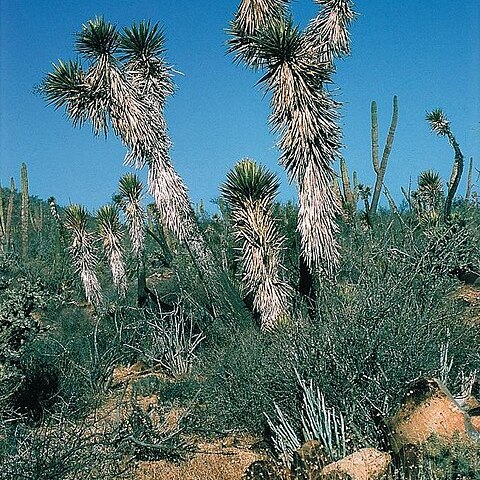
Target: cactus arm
[
  {"x": 376, "y": 165},
  {"x": 2, "y": 216},
  {"x": 386, "y": 154},
  {"x": 391, "y": 135},
  {"x": 469, "y": 179}
]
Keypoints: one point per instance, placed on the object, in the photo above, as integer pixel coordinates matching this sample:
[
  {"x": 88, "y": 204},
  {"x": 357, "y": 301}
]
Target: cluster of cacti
[{"x": 250, "y": 190}]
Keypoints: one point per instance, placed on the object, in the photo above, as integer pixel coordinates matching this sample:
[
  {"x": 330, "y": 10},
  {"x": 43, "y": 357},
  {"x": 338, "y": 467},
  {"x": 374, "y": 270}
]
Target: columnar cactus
[
  {"x": 25, "y": 212},
  {"x": 380, "y": 167},
  {"x": 8, "y": 221}
]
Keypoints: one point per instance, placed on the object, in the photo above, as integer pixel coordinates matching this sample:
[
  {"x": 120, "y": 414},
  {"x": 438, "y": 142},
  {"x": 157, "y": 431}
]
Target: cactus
[
  {"x": 349, "y": 197},
  {"x": 8, "y": 221},
  {"x": 468, "y": 193},
  {"x": 2, "y": 218},
  {"x": 25, "y": 209},
  {"x": 380, "y": 167},
  {"x": 440, "y": 125}
]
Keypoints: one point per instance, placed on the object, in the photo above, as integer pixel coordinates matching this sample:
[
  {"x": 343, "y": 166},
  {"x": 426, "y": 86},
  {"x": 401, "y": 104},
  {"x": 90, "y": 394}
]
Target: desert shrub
[
  {"x": 382, "y": 326},
  {"x": 59, "y": 449}
]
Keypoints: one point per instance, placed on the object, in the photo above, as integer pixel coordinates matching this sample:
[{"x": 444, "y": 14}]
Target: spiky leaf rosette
[
  {"x": 82, "y": 251},
  {"x": 429, "y": 197},
  {"x": 111, "y": 234},
  {"x": 328, "y": 33},
  {"x": 250, "y": 190},
  {"x": 130, "y": 196},
  {"x": 305, "y": 116},
  {"x": 251, "y": 18},
  {"x": 438, "y": 121},
  {"x": 142, "y": 48}
]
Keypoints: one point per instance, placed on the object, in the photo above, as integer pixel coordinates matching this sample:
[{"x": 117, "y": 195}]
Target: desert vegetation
[{"x": 135, "y": 337}]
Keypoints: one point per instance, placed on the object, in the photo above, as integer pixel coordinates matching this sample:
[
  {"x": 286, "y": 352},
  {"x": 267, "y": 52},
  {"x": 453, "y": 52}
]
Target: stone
[{"x": 429, "y": 409}]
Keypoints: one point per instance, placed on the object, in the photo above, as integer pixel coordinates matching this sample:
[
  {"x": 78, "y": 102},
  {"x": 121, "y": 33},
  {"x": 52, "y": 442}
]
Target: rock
[
  {"x": 428, "y": 409},
  {"x": 308, "y": 461},
  {"x": 262, "y": 470},
  {"x": 364, "y": 464}
]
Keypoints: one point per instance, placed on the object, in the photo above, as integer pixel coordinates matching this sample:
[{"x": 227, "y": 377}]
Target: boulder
[
  {"x": 429, "y": 409},
  {"x": 364, "y": 464}
]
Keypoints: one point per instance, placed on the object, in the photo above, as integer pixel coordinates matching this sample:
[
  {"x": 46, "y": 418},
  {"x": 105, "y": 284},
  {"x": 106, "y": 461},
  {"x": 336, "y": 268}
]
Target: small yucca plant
[
  {"x": 130, "y": 201},
  {"x": 428, "y": 198},
  {"x": 250, "y": 190},
  {"x": 111, "y": 234},
  {"x": 82, "y": 251}
]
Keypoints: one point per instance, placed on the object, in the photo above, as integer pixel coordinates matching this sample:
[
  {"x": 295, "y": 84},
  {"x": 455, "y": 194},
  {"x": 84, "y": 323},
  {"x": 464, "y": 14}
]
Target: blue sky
[{"x": 426, "y": 52}]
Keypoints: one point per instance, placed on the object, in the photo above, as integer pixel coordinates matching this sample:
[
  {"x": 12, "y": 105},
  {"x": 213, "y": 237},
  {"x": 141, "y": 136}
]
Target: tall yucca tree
[
  {"x": 303, "y": 112},
  {"x": 82, "y": 251},
  {"x": 250, "y": 190},
  {"x": 440, "y": 125},
  {"x": 111, "y": 235},
  {"x": 129, "y": 199},
  {"x": 125, "y": 84}
]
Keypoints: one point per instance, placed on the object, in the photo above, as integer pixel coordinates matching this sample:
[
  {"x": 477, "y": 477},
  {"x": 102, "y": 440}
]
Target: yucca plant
[
  {"x": 52, "y": 203},
  {"x": 328, "y": 31},
  {"x": 250, "y": 190},
  {"x": 429, "y": 197},
  {"x": 82, "y": 251},
  {"x": 123, "y": 82},
  {"x": 303, "y": 113},
  {"x": 440, "y": 125},
  {"x": 129, "y": 199},
  {"x": 111, "y": 234}
]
